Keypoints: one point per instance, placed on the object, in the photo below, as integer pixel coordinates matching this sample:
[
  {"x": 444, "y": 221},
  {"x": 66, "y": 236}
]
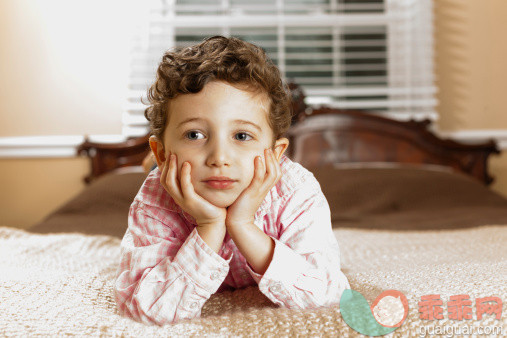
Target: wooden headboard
[
  {"x": 326, "y": 136},
  {"x": 329, "y": 136},
  {"x": 106, "y": 157}
]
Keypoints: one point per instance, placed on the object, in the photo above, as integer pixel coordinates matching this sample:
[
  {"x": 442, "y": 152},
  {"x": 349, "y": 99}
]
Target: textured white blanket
[{"x": 61, "y": 284}]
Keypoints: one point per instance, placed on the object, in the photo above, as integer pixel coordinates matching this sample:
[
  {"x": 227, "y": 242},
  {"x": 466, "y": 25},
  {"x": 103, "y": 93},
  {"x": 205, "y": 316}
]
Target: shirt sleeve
[
  {"x": 305, "y": 269},
  {"x": 162, "y": 277}
]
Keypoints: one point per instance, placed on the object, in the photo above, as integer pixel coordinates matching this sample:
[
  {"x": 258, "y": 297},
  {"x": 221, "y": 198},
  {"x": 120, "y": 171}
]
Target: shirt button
[
  {"x": 214, "y": 275},
  {"x": 193, "y": 305},
  {"x": 275, "y": 288}
]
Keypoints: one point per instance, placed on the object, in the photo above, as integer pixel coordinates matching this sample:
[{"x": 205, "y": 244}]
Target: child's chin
[
  {"x": 223, "y": 203},
  {"x": 220, "y": 202}
]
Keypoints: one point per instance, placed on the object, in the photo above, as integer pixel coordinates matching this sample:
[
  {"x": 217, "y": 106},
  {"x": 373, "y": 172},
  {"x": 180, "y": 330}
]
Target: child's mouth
[{"x": 220, "y": 182}]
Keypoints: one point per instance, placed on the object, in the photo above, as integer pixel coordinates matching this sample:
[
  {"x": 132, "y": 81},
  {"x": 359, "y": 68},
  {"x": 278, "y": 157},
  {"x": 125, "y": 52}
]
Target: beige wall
[
  {"x": 471, "y": 63},
  {"x": 52, "y": 87},
  {"x": 63, "y": 71},
  {"x": 498, "y": 169},
  {"x": 471, "y": 70},
  {"x": 63, "y": 67},
  {"x": 31, "y": 188}
]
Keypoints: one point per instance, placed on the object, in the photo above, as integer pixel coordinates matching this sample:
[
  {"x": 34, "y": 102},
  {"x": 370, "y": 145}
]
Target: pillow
[
  {"x": 408, "y": 198},
  {"x": 383, "y": 165},
  {"x": 100, "y": 209}
]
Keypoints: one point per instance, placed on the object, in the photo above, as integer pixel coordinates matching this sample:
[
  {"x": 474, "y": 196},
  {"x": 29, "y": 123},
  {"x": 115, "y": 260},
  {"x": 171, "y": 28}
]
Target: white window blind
[{"x": 352, "y": 54}]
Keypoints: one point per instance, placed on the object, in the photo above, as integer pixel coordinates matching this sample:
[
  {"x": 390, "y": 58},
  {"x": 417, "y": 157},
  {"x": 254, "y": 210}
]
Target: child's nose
[{"x": 218, "y": 155}]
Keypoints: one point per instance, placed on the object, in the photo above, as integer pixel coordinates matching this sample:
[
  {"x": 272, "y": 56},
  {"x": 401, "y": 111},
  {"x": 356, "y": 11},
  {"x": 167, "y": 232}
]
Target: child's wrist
[
  {"x": 212, "y": 234},
  {"x": 214, "y": 224},
  {"x": 230, "y": 223}
]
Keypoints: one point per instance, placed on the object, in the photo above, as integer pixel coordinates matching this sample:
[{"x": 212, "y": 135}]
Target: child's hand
[
  {"x": 265, "y": 177},
  {"x": 185, "y": 196}
]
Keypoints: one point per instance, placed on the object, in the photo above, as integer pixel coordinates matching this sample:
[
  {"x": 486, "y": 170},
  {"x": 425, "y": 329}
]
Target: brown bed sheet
[
  {"x": 408, "y": 199},
  {"x": 374, "y": 198},
  {"x": 100, "y": 209}
]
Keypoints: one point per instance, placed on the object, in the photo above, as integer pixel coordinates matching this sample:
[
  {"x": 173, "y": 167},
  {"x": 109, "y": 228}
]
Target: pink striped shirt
[{"x": 167, "y": 272}]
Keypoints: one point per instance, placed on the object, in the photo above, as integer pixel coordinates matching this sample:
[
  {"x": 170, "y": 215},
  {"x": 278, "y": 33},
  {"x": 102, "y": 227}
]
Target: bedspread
[{"x": 57, "y": 284}]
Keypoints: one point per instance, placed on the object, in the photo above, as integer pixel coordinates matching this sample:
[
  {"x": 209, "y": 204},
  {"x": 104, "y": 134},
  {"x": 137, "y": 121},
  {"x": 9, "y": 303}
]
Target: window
[{"x": 351, "y": 54}]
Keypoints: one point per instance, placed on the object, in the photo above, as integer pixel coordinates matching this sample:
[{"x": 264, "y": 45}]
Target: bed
[{"x": 412, "y": 212}]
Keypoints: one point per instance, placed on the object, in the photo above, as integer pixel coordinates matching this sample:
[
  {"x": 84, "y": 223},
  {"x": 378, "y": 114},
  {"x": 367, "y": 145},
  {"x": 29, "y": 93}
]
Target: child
[{"x": 226, "y": 208}]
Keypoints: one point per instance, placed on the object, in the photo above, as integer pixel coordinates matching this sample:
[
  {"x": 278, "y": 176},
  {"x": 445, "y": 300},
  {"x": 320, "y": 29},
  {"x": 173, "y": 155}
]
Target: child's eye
[
  {"x": 243, "y": 137},
  {"x": 194, "y": 135}
]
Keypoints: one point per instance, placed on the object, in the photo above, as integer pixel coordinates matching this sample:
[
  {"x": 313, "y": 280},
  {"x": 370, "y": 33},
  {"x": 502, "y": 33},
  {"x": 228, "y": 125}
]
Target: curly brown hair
[{"x": 218, "y": 58}]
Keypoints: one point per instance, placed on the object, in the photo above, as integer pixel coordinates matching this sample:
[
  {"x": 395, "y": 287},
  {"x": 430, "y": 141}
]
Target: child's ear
[
  {"x": 280, "y": 146},
  {"x": 157, "y": 147}
]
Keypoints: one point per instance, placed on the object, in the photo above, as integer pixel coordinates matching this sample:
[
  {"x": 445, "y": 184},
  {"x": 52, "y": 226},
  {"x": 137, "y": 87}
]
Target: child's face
[{"x": 219, "y": 131}]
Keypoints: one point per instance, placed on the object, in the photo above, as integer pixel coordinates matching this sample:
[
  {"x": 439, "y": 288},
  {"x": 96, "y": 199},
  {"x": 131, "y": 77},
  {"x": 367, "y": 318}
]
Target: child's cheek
[
  {"x": 251, "y": 168},
  {"x": 180, "y": 161}
]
